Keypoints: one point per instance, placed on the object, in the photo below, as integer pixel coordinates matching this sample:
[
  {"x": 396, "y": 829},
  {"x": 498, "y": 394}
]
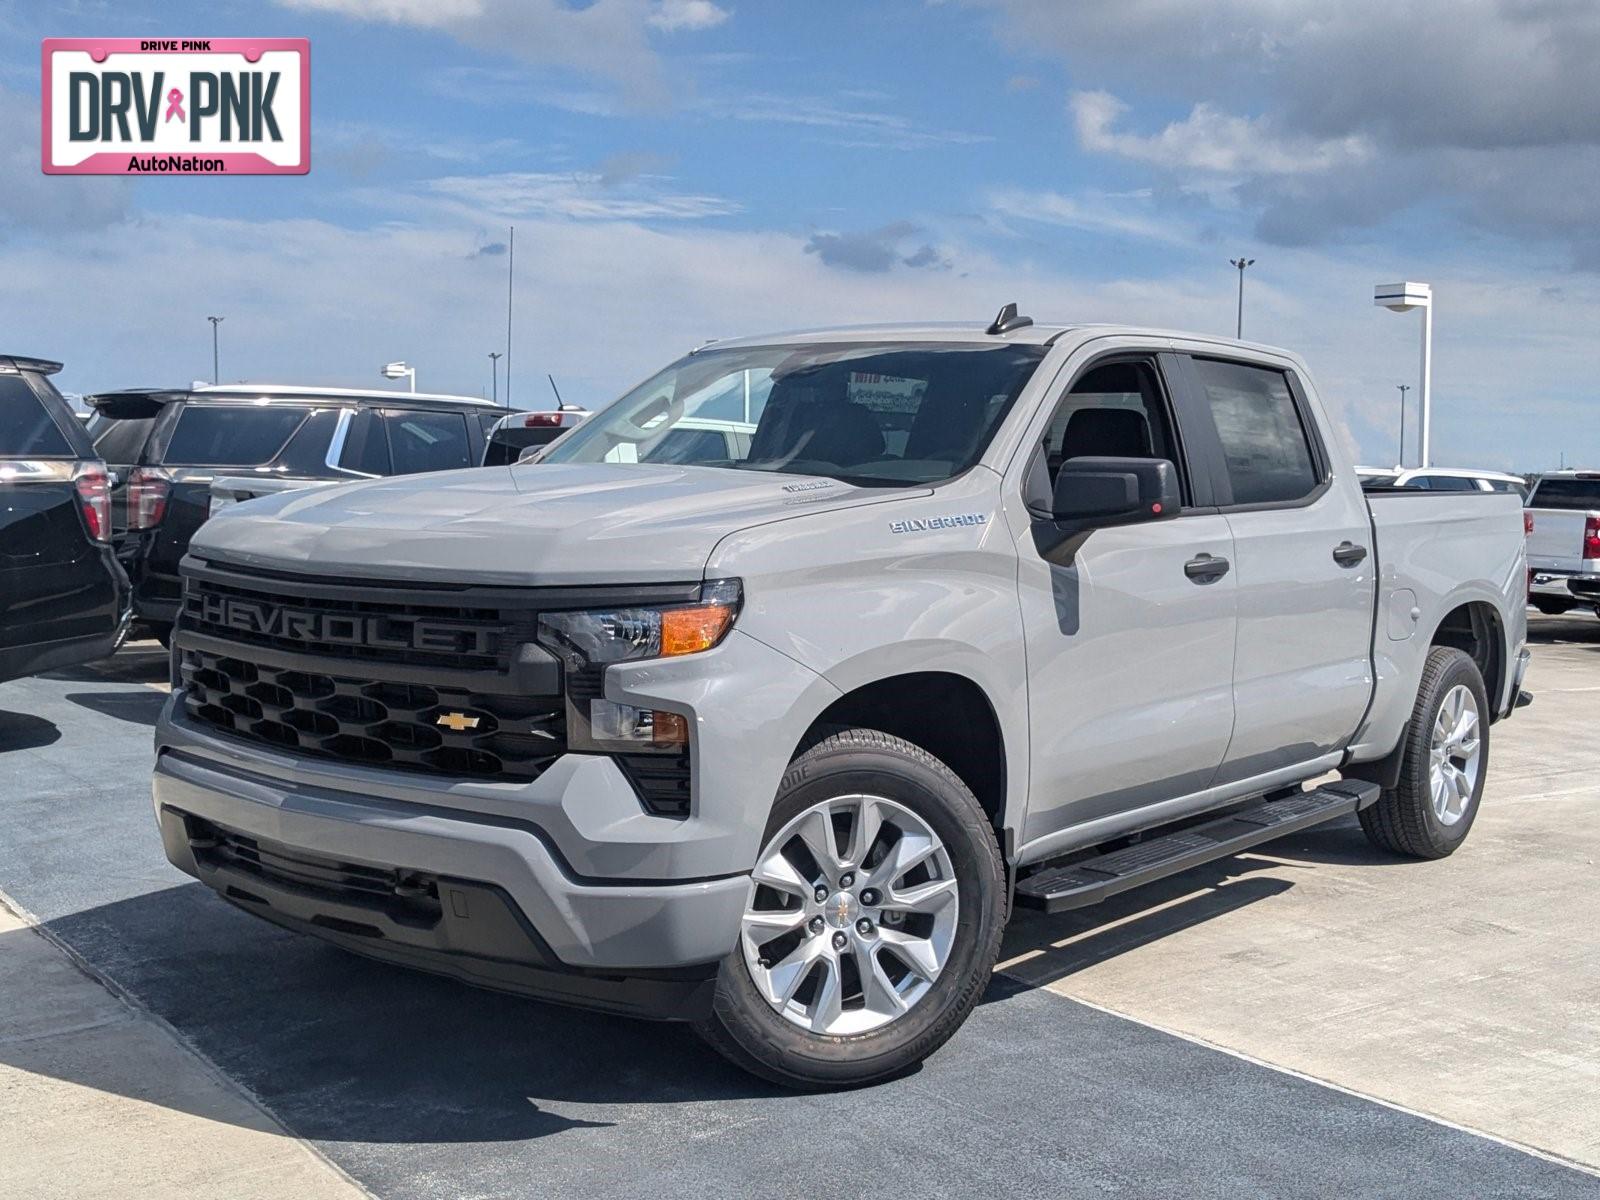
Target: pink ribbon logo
[{"x": 174, "y": 106}]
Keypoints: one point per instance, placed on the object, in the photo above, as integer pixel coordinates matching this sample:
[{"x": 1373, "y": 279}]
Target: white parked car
[{"x": 1442, "y": 479}]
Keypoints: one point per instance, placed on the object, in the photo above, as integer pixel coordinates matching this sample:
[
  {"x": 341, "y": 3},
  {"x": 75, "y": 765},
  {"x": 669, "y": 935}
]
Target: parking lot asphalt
[{"x": 1130, "y": 1049}]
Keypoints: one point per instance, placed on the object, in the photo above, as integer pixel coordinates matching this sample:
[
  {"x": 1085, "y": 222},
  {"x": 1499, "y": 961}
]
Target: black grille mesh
[{"x": 384, "y": 724}]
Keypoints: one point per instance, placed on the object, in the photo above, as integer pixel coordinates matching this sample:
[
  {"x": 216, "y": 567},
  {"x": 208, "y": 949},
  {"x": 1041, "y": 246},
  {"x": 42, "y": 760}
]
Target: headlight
[{"x": 588, "y": 642}]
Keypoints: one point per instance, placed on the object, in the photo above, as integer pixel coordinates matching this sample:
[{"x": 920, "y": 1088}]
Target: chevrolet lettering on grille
[{"x": 381, "y": 631}]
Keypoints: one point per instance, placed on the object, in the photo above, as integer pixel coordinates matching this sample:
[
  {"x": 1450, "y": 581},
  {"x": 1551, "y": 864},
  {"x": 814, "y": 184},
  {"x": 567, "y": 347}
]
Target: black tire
[
  {"x": 747, "y": 1030},
  {"x": 1554, "y": 608},
  {"x": 161, "y": 631},
  {"x": 1403, "y": 820}
]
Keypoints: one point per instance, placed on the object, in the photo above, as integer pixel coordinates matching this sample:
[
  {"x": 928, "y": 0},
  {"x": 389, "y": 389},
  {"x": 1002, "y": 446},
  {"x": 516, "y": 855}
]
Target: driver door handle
[
  {"x": 1348, "y": 554},
  {"x": 1205, "y": 568}
]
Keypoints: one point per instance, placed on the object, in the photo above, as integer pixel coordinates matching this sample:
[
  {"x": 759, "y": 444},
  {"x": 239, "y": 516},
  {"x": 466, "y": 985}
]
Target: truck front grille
[
  {"x": 414, "y": 676},
  {"x": 345, "y": 717}
]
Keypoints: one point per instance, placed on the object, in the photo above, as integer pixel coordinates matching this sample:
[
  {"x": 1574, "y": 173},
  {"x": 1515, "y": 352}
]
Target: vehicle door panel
[
  {"x": 1302, "y": 672},
  {"x": 1130, "y": 661}
]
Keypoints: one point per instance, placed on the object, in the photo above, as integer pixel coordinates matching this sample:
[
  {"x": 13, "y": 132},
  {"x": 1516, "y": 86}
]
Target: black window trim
[
  {"x": 1193, "y": 484},
  {"x": 1209, "y": 442}
]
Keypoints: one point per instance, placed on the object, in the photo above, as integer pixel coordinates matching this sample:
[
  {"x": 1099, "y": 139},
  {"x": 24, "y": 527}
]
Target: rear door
[
  {"x": 55, "y": 583},
  {"x": 1304, "y": 568}
]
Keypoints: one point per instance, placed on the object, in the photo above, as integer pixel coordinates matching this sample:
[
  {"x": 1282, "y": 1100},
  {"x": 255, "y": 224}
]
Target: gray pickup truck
[{"x": 771, "y": 736}]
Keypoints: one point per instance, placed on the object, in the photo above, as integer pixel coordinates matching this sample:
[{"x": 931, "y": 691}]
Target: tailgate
[{"x": 1556, "y": 542}]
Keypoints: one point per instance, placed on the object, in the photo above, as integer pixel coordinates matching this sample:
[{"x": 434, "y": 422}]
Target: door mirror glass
[{"x": 1098, "y": 492}]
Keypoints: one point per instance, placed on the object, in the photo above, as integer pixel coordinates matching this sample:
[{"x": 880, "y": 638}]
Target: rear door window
[
  {"x": 1579, "y": 494},
  {"x": 27, "y": 429},
  {"x": 366, "y": 447},
  {"x": 1264, "y": 441},
  {"x": 427, "y": 441},
  {"x": 120, "y": 442},
  {"x": 232, "y": 435}
]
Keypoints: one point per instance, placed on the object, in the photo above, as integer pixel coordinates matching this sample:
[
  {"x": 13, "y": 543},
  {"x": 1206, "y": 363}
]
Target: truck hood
[{"x": 521, "y": 525}]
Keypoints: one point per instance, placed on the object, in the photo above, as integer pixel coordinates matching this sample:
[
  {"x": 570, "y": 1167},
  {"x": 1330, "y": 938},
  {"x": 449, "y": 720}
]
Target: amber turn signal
[{"x": 691, "y": 630}]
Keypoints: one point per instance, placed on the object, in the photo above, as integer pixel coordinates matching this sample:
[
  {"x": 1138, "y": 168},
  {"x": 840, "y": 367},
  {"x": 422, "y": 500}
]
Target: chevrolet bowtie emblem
[{"x": 456, "y": 722}]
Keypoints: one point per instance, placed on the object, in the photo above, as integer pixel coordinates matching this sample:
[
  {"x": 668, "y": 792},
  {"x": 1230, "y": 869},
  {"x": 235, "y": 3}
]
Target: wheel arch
[
  {"x": 1475, "y": 628},
  {"x": 945, "y": 713}
]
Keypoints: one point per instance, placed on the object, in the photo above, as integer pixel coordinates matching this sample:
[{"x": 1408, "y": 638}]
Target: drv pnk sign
[{"x": 194, "y": 106}]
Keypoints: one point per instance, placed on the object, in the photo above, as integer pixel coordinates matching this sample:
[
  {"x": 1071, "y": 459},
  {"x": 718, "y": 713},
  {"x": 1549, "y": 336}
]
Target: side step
[{"x": 1091, "y": 880}]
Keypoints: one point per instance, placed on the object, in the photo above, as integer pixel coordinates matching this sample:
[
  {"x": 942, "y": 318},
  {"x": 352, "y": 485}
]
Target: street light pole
[
  {"x": 1403, "y": 297},
  {"x": 1241, "y": 263},
  {"x": 216, "y": 375},
  {"x": 494, "y": 374},
  {"x": 1404, "y": 388}
]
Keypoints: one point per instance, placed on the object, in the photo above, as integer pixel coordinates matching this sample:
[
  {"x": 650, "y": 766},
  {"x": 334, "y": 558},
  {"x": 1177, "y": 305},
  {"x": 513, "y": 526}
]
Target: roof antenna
[
  {"x": 1007, "y": 320},
  {"x": 560, "y": 404}
]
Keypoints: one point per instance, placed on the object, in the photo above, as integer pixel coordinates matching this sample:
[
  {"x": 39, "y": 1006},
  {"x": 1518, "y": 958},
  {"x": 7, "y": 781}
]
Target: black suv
[
  {"x": 63, "y": 598},
  {"x": 165, "y": 448}
]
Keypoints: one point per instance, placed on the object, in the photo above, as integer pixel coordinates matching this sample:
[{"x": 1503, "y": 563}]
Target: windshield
[{"x": 874, "y": 414}]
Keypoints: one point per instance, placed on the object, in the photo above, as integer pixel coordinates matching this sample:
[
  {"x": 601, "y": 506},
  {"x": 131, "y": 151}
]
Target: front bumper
[{"x": 508, "y": 911}]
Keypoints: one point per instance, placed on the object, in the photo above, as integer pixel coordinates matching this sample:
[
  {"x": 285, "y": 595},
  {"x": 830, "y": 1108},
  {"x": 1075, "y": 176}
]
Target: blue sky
[{"x": 686, "y": 169}]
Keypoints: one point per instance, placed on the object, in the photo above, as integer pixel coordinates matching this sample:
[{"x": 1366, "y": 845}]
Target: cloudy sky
[{"x": 679, "y": 170}]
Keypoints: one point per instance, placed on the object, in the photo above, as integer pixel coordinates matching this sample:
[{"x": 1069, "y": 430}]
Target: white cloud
[
  {"x": 32, "y": 201},
  {"x": 588, "y": 196},
  {"x": 425, "y": 13},
  {"x": 607, "y": 39},
  {"x": 1212, "y": 141},
  {"x": 675, "y": 15},
  {"x": 1117, "y": 216},
  {"x": 312, "y": 301},
  {"x": 864, "y": 128}
]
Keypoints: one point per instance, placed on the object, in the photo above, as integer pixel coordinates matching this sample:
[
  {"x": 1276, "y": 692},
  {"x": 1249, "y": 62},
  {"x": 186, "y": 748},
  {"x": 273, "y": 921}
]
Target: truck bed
[{"x": 1436, "y": 552}]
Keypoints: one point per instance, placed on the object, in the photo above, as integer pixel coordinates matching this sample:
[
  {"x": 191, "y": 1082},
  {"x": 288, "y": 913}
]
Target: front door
[
  {"x": 1130, "y": 640},
  {"x": 1304, "y": 570}
]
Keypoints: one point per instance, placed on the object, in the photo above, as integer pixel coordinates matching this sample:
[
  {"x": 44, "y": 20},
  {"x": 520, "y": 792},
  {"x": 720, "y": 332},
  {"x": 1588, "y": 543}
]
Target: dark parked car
[
  {"x": 166, "y": 448},
  {"x": 63, "y": 598},
  {"x": 519, "y": 431}
]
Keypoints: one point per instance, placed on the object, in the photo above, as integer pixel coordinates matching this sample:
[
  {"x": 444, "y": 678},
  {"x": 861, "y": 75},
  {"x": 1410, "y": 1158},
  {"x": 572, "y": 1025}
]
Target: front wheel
[
  {"x": 873, "y": 919},
  {"x": 1446, "y": 760}
]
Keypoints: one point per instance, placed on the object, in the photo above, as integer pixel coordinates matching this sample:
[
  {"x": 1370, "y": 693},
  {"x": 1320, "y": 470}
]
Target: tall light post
[
  {"x": 216, "y": 375},
  {"x": 1241, "y": 263},
  {"x": 1403, "y": 297},
  {"x": 400, "y": 370},
  {"x": 494, "y": 374},
  {"x": 1404, "y": 388}
]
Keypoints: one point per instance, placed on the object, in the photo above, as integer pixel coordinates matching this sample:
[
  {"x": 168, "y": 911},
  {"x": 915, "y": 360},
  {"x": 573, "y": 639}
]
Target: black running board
[{"x": 1091, "y": 880}]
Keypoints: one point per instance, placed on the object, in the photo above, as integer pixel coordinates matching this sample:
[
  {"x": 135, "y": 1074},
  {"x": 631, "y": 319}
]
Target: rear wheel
[
  {"x": 1446, "y": 761},
  {"x": 873, "y": 919},
  {"x": 1554, "y": 608}
]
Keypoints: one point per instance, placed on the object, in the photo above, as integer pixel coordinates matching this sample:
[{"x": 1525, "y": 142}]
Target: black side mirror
[{"x": 1094, "y": 493}]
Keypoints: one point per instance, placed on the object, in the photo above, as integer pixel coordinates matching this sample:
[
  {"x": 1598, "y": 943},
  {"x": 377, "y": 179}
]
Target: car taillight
[
  {"x": 1527, "y": 523},
  {"x": 94, "y": 500},
  {"x": 1591, "y": 538},
  {"x": 148, "y": 488},
  {"x": 534, "y": 420}
]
